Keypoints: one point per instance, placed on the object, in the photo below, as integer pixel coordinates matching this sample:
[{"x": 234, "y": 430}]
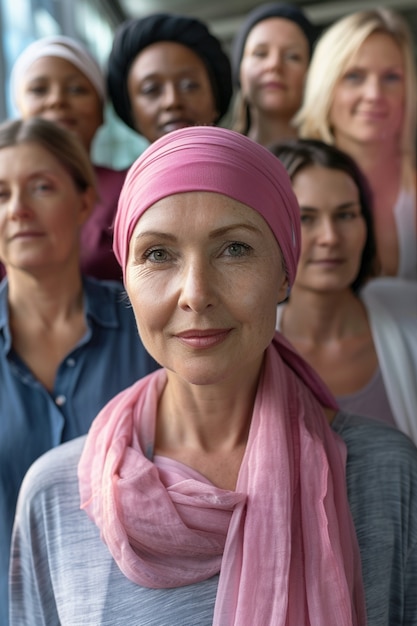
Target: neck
[
  {"x": 378, "y": 161},
  {"x": 265, "y": 129},
  {"x": 48, "y": 298},
  {"x": 318, "y": 317},
  {"x": 205, "y": 417}
]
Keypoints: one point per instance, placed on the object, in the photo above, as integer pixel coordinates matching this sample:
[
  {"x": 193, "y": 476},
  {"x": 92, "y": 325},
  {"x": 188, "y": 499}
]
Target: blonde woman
[{"x": 360, "y": 95}]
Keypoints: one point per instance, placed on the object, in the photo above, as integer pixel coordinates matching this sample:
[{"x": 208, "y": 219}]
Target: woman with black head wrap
[{"x": 167, "y": 72}]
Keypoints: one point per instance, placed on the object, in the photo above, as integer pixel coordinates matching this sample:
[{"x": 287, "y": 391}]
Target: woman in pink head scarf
[{"x": 215, "y": 489}]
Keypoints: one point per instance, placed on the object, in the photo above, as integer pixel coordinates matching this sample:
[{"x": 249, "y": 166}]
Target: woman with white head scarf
[{"x": 56, "y": 78}]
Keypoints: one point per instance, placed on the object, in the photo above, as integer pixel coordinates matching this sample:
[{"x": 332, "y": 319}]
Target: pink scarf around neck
[{"x": 283, "y": 542}]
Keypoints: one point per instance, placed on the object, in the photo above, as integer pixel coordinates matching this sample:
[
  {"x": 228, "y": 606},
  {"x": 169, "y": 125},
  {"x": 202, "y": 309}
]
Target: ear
[
  {"x": 283, "y": 291},
  {"x": 88, "y": 198}
]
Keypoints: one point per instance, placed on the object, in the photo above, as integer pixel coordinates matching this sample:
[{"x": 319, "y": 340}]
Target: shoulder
[
  {"x": 396, "y": 296},
  {"x": 106, "y": 298},
  {"x": 374, "y": 447},
  {"x": 4, "y": 309},
  {"x": 109, "y": 179},
  {"x": 108, "y": 288},
  {"x": 53, "y": 471}
]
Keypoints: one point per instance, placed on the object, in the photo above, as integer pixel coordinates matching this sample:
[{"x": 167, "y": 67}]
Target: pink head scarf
[
  {"x": 207, "y": 158},
  {"x": 283, "y": 541}
]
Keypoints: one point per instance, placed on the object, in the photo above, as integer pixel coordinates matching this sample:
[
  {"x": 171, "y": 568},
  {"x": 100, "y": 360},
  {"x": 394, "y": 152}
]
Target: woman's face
[
  {"x": 369, "y": 99},
  {"x": 204, "y": 276},
  {"x": 169, "y": 88},
  {"x": 41, "y": 209},
  {"x": 273, "y": 67},
  {"x": 54, "y": 89},
  {"x": 333, "y": 230}
]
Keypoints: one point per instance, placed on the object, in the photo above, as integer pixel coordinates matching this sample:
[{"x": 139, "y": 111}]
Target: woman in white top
[
  {"x": 359, "y": 335},
  {"x": 360, "y": 95}
]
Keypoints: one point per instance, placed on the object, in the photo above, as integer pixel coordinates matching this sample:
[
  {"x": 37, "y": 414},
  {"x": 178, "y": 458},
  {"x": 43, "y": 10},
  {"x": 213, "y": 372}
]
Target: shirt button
[
  {"x": 70, "y": 362},
  {"x": 60, "y": 400}
]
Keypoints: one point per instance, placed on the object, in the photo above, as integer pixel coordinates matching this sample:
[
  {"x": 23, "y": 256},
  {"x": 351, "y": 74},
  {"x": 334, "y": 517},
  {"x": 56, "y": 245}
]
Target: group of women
[{"x": 231, "y": 485}]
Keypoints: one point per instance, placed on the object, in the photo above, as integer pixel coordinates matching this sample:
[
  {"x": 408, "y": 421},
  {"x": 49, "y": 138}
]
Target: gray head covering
[
  {"x": 263, "y": 12},
  {"x": 135, "y": 35}
]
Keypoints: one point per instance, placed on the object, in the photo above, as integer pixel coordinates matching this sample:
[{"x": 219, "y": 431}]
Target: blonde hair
[{"x": 332, "y": 54}]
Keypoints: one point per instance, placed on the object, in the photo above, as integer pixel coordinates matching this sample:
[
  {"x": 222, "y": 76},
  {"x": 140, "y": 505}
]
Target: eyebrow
[
  {"x": 155, "y": 74},
  {"x": 46, "y": 76},
  {"x": 344, "y": 205},
  {"x": 361, "y": 66},
  {"x": 218, "y": 232}
]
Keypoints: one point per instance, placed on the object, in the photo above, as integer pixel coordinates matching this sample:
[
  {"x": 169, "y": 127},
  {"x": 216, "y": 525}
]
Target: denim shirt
[{"x": 109, "y": 358}]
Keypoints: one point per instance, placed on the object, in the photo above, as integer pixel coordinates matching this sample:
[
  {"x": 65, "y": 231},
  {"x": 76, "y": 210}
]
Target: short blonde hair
[{"x": 332, "y": 54}]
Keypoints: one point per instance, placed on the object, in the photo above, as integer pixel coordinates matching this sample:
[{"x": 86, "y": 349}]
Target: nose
[
  {"x": 373, "y": 88},
  {"x": 197, "y": 288},
  {"x": 18, "y": 208},
  {"x": 171, "y": 96},
  {"x": 56, "y": 96},
  {"x": 328, "y": 232},
  {"x": 274, "y": 60}
]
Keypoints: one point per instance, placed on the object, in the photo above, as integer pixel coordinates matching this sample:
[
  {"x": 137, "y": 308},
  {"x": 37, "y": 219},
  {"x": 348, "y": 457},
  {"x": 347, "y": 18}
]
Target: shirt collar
[
  {"x": 100, "y": 303},
  {"x": 101, "y": 299}
]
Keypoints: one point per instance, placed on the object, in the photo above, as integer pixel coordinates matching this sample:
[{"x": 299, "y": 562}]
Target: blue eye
[
  {"x": 238, "y": 249},
  {"x": 353, "y": 76},
  {"x": 157, "y": 255},
  {"x": 392, "y": 77}
]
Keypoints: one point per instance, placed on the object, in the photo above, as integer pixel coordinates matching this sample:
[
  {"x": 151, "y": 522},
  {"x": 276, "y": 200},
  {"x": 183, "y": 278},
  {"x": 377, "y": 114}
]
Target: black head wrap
[
  {"x": 134, "y": 35},
  {"x": 263, "y": 12}
]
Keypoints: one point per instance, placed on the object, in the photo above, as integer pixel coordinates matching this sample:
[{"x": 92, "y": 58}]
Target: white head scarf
[{"x": 63, "y": 48}]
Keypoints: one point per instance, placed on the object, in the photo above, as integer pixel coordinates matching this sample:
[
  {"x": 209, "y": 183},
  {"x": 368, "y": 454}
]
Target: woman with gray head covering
[
  {"x": 270, "y": 57},
  {"x": 167, "y": 72},
  {"x": 56, "y": 78}
]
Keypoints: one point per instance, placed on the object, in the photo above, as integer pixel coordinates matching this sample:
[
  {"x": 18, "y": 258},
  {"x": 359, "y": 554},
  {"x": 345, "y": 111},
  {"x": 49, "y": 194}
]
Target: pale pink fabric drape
[{"x": 284, "y": 541}]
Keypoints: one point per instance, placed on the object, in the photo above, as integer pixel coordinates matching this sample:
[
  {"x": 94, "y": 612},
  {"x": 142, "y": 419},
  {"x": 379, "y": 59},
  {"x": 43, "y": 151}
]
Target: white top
[{"x": 405, "y": 219}]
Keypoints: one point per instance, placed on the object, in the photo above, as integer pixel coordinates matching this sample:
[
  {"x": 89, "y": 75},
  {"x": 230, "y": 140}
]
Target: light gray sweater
[{"x": 62, "y": 573}]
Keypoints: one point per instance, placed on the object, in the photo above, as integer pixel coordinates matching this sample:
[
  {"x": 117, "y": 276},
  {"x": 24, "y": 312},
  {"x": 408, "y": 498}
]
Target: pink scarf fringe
[{"x": 283, "y": 542}]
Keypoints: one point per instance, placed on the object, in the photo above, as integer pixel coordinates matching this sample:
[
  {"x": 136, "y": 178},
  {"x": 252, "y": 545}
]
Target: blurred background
[{"x": 94, "y": 21}]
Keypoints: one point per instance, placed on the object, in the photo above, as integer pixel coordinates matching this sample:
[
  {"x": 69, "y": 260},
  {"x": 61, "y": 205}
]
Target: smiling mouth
[
  {"x": 175, "y": 125},
  {"x": 273, "y": 85},
  {"x": 26, "y": 235},
  {"x": 328, "y": 262},
  {"x": 200, "y": 339}
]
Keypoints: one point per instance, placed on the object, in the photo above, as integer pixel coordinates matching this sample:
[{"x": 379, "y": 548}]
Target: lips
[
  {"x": 168, "y": 127},
  {"x": 26, "y": 234},
  {"x": 202, "y": 339},
  {"x": 273, "y": 85},
  {"x": 67, "y": 122},
  {"x": 373, "y": 115},
  {"x": 327, "y": 262}
]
